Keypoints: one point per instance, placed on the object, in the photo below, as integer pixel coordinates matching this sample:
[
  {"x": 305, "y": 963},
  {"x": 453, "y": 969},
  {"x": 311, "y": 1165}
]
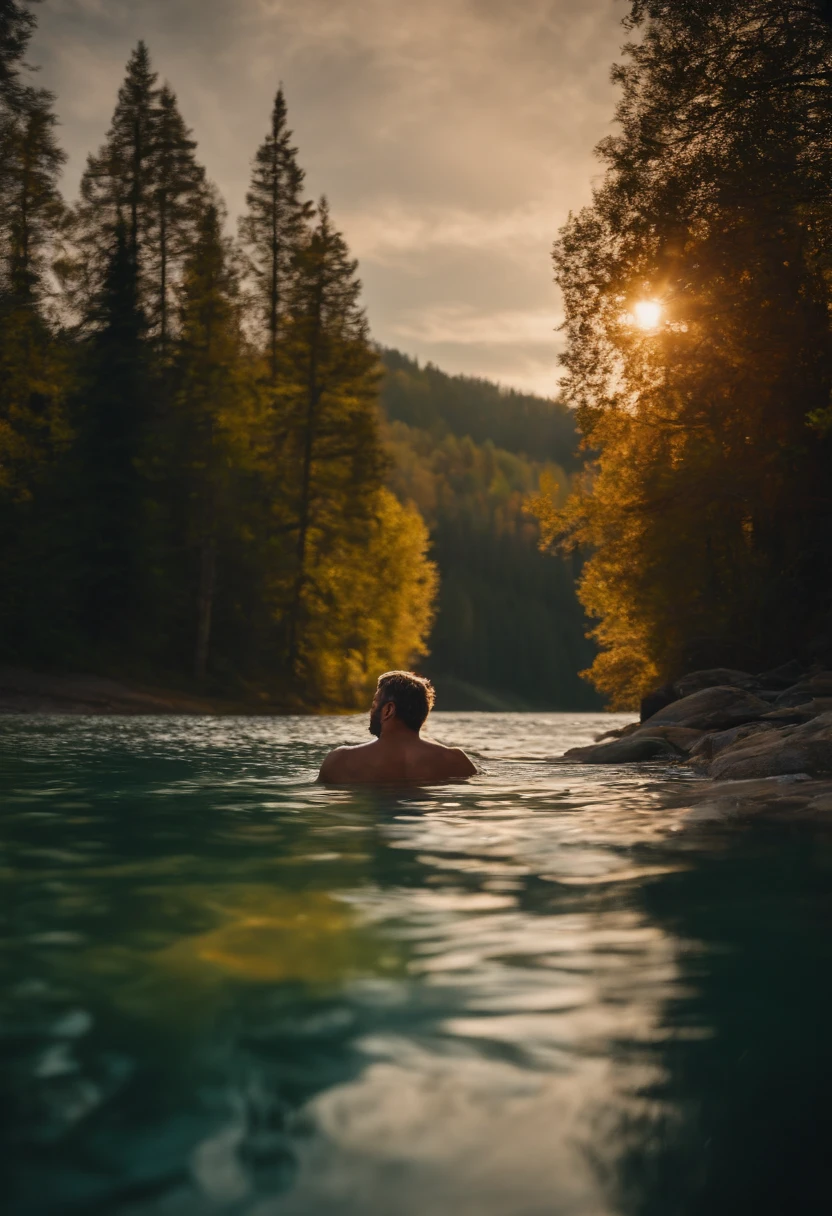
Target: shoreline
[
  {"x": 23, "y": 691},
  {"x": 763, "y": 742}
]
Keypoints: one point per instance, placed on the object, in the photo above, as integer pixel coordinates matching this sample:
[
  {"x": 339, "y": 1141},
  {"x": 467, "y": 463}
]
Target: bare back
[{"x": 408, "y": 758}]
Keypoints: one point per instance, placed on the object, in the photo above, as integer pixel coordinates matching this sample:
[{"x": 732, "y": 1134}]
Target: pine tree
[
  {"x": 274, "y": 225},
  {"x": 33, "y": 205},
  {"x": 329, "y": 398},
  {"x": 31, "y": 418},
  {"x": 214, "y": 415},
  {"x": 118, "y": 183},
  {"x": 17, "y": 24},
  {"x": 178, "y": 200},
  {"x": 33, "y": 367},
  {"x": 112, "y": 423}
]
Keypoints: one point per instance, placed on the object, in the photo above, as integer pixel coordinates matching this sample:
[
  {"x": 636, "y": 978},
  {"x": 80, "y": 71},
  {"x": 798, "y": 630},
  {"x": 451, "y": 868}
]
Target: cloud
[
  {"x": 461, "y": 325},
  {"x": 452, "y": 137}
]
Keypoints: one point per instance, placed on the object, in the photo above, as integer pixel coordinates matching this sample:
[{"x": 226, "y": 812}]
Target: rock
[
  {"x": 711, "y": 745},
  {"x": 785, "y": 798},
  {"x": 625, "y": 751},
  {"x": 787, "y": 716},
  {"x": 792, "y": 697},
  {"x": 715, "y": 677},
  {"x": 712, "y": 709},
  {"x": 819, "y": 685},
  {"x": 654, "y": 701},
  {"x": 782, "y": 677},
  {"x": 792, "y": 749},
  {"x": 806, "y": 690},
  {"x": 683, "y": 738},
  {"x": 768, "y": 694},
  {"x": 620, "y": 732}
]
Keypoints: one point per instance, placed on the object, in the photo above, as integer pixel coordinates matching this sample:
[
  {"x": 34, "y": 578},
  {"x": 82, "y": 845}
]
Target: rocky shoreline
[{"x": 731, "y": 725}]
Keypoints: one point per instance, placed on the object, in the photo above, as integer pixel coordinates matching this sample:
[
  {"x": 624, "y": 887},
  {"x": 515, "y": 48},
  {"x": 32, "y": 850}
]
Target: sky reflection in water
[{"x": 225, "y": 988}]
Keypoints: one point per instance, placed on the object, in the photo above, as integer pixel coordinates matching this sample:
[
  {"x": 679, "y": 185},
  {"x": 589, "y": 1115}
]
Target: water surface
[{"x": 226, "y": 989}]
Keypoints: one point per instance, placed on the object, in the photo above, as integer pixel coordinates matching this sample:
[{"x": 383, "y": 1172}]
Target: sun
[{"x": 648, "y": 314}]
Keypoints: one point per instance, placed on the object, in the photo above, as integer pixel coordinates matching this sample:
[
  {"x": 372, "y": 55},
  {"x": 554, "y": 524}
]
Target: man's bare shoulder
[
  {"x": 452, "y": 760},
  {"x": 341, "y": 761}
]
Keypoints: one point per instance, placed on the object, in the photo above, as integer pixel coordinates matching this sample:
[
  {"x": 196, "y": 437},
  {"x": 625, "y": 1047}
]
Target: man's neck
[{"x": 396, "y": 734}]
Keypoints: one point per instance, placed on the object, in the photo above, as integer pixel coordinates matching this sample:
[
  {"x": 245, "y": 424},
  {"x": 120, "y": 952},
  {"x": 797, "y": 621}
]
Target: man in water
[{"x": 400, "y": 707}]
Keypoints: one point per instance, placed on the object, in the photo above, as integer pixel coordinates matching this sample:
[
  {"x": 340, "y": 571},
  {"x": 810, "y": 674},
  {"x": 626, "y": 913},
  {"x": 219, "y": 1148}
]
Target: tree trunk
[
  {"x": 313, "y": 394},
  {"x": 205, "y": 604}
]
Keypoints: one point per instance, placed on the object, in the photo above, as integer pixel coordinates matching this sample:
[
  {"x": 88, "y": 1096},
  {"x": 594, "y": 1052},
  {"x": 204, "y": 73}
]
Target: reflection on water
[{"x": 227, "y": 989}]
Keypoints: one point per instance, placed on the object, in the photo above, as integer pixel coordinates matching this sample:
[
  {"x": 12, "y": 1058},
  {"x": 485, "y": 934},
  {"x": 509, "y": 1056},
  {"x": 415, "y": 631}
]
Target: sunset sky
[{"x": 451, "y": 136}]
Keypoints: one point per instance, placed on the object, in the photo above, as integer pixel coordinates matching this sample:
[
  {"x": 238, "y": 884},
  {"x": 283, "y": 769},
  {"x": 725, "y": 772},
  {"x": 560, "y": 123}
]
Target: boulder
[
  {"x": 792, "y": 749},
  {"x": 782, "y": 677},
  {"x": 711, "y": 745},
  {"x": 683, "y": 738},
  {"x": 794, "y": 715},
  {"x": 715, "y": 677},
  {"x": 625, "y": 751},
  {"x": 656, "y": 700},
  {"x": 620, "y": 732},
  {"x": 819, "y": 685},
  {"x": 712, "y": 709},
  {"x": 786, "y": 798},
  {"x": 792, "y": 697}
]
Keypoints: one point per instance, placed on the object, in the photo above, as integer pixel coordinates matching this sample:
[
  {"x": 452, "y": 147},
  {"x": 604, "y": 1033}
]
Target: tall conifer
[
  {"x": 213, "y": 397},
  {"x": 273, "y": 226},
  {"x": 117, "y": 184},
  {"x": 112, "y": 422},
  {"x": 330, "y": 398},
  {"x": 31, "y": 212},
  {"x": 178, "y": 198}
]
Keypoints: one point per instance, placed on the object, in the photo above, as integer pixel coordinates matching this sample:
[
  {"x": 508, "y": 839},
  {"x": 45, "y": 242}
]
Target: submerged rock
[
  {"x": 636, "y": 747},
  {"x": 790, "y": 797}
]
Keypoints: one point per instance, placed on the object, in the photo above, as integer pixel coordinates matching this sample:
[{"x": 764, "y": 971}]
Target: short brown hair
[{"x": 412, "y": 695}]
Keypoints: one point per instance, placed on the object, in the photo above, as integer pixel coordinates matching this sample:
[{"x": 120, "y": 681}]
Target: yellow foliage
[{"x": 370, "y": 604}]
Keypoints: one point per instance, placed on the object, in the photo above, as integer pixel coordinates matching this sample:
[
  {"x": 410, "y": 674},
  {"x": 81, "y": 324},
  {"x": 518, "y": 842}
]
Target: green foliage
[
  {"x": 146, "y": 177},
  {"x": 191, "y": 476},
  {"x": 273, "y": 227},
  {"x": 708, "y": 509},
  {"x": 431, "y": 400},
  {"x": 111, "y": 424},
  {"x": 333, "y": 458},
  {"x": 178, "y": 203},
  {"x": 508, "y": 620}
]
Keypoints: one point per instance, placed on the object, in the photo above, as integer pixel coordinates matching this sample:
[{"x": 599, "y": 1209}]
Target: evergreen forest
[
  {"x": 210, "y": 477},
  {"x": 698, "y": 293},
  {"x": 509, "y": 632}
]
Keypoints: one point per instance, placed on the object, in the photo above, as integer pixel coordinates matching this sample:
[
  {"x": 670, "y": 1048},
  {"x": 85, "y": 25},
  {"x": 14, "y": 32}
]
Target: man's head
[{"x": 403, "y": 697}]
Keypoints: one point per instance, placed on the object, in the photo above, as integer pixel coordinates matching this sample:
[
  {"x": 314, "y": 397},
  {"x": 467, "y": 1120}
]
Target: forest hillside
[{"x": 509, "y": 632}]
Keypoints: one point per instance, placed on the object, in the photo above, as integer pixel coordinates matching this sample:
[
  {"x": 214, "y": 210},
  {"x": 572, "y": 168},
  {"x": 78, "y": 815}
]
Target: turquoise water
[{"x": 226, "y": 989}]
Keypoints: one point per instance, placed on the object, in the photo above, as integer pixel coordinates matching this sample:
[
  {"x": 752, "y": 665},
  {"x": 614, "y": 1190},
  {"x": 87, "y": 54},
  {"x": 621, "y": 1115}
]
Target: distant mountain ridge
[
  {"x": 425, "y": 397},
  {"x": 509, "y": 631}
]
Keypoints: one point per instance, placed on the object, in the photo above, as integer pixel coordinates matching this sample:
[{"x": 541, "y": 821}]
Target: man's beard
[{"x": 375, "y": 722}]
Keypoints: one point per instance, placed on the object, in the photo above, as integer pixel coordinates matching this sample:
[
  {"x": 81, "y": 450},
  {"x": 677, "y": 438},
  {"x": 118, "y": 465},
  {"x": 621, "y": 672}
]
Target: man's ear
[{"x": 388, "y": 711}]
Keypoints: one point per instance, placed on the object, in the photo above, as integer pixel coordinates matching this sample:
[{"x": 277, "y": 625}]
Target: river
[{"x": 549, "y": 991}]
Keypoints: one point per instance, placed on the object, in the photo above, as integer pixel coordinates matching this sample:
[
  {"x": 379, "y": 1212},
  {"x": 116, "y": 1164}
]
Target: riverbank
[
  {"x": 731, "y": 725},
  {"x": 29, "y": 692}
]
